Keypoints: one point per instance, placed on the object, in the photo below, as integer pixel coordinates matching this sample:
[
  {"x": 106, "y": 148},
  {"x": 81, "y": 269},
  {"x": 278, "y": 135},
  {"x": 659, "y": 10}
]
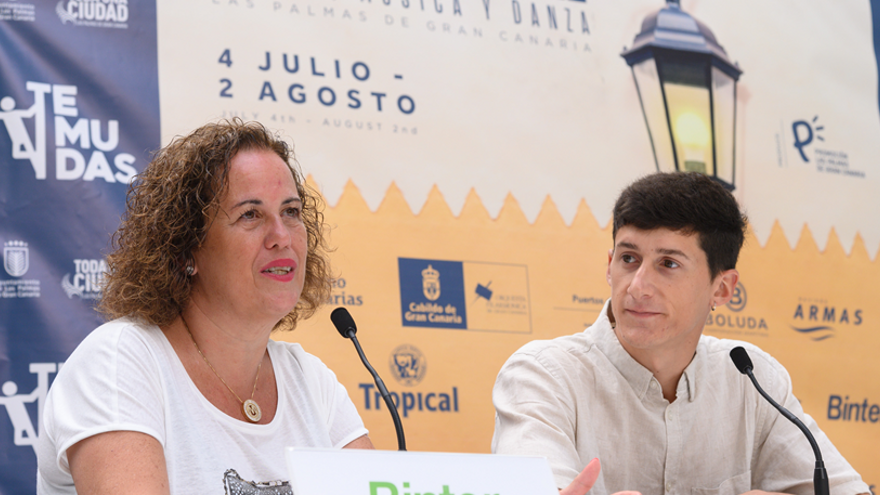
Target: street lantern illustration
[{"x": 687, "y": 89}]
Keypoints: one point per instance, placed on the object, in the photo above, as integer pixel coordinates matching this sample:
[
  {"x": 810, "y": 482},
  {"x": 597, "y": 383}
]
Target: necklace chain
[{"x": 250, "y": 408}]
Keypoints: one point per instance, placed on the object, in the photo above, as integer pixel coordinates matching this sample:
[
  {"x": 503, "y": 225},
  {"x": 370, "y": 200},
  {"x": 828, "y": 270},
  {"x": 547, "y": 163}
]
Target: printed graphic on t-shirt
[{"x": 234, "y": 485}]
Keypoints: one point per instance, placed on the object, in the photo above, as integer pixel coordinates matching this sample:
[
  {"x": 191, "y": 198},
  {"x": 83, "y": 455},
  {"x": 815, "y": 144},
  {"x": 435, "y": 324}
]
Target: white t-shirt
[{"x": 126, "y": 376}]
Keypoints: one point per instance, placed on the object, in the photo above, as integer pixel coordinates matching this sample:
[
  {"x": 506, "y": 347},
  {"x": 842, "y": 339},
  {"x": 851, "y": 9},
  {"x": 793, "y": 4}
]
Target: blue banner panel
[
  {"x": 79, "y": 115},
  {"x": 432, "y": 293}
]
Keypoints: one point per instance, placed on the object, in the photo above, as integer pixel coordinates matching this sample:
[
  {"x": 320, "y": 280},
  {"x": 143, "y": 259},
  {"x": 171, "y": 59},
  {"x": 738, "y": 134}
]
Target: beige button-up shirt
[{"x": 583, "y": 396}]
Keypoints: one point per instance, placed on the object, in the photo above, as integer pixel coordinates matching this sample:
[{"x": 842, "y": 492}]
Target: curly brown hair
[{"x": 169, "y": 208}]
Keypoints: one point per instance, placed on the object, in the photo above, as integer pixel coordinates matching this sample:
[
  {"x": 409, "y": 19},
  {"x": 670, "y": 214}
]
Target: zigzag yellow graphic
[{"x": 474, "y": 213}]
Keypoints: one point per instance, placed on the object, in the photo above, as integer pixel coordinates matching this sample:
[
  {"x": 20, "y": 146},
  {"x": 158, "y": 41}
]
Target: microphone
[
  {"x": 744, "y": 364},
  {"x": 344, "y": 323}
]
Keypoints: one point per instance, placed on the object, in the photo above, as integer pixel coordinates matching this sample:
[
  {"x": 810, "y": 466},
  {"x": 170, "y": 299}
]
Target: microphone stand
[
  {"x": 346, "y": 327},
  {"x": 820, "y": 477},
  {"x": 395, "y": 417}
]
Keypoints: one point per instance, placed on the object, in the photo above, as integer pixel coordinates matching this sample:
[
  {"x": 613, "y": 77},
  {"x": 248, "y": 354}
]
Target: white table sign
[{"x": 378, "y": 472}]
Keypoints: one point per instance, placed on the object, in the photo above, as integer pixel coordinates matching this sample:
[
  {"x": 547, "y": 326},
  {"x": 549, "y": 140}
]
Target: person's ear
[{"x": 724, "y": 286}]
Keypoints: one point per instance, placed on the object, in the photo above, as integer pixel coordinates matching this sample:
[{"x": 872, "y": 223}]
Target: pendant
[{"x": 251, "y": 411}]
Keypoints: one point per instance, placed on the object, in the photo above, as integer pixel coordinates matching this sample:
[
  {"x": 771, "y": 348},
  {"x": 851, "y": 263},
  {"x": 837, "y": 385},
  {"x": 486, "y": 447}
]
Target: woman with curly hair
[{"x": 184, "y": 391}]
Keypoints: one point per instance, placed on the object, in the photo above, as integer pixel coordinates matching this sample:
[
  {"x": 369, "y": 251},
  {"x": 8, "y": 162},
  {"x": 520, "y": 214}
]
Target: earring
[
  {"x": 191, "y": 269},
  {"x": 713, "y": 306}
]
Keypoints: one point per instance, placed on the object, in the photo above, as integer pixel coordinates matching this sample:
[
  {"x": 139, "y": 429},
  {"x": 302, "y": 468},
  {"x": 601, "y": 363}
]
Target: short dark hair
[
  {"x": 691, "y": 203},
  {"x": 169, "y": 210}
]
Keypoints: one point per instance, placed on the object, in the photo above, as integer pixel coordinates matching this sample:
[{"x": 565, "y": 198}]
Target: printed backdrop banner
[
  {"x": 533, "y": 99},
  {"x": 470, "y": 152},
  {"x": 79, "y": 105}
]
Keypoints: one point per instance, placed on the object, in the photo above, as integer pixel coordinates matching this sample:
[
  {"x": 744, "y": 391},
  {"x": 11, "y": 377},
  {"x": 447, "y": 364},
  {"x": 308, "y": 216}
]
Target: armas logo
[
  {"x": 818, "y": 320},
  {"x": 84, "y": 149}
]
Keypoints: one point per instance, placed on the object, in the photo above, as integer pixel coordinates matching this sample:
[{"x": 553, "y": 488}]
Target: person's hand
[{"x": 585, "y": 481}]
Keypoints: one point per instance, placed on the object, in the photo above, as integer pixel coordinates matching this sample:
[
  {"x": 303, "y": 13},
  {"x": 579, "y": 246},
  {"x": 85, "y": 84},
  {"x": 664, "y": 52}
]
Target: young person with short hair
[{"x": 643, "y": 389}]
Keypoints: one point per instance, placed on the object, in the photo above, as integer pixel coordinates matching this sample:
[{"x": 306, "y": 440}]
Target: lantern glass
[
  {"x": 724, "y": 108},
  {"x": 651, "y": 96},
  {"x": 690, "y": 119}
]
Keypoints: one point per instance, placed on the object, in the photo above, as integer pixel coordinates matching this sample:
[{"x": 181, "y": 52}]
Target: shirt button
[
  {"x": 653, "y": 384},
  {"x": 668, "y": 486},
  {"x": 668, "y": 414}
]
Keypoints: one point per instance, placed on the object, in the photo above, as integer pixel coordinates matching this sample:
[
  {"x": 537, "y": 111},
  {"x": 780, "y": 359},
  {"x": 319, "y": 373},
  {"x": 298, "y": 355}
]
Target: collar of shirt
[{"x": 639, "y": 377}]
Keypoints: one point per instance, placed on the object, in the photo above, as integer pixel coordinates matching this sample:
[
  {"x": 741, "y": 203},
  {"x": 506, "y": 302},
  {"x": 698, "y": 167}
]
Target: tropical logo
[{"x": 408, "y": 365}]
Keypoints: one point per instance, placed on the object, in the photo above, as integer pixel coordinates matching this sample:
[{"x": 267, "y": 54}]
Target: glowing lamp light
[{"x": 687, "y": 91}]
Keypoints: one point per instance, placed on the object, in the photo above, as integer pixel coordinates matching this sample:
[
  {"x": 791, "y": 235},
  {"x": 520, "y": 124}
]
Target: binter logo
[
  {"x": 84, "y": 149},
  {"x": 389, "y": 488}
]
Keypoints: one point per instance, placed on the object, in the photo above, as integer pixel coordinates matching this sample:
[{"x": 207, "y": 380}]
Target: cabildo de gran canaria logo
[
  {"x": 431, "y": 283},
  {"x": 85, "y": 149},
  {"x": 94, "y": 13},
  {"x": 465, "y": 295},
  {"x": 432, "y": 293}
]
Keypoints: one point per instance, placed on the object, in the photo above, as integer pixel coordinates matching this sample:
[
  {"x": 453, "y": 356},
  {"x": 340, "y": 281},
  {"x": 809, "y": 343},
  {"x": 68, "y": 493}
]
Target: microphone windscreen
[
  {"x": 741, "y": 360},
  {"x": 343, "y": 322}
]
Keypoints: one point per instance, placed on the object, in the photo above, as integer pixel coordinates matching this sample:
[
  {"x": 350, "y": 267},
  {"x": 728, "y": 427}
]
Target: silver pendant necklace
[{"x": 249, "y": 408}]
